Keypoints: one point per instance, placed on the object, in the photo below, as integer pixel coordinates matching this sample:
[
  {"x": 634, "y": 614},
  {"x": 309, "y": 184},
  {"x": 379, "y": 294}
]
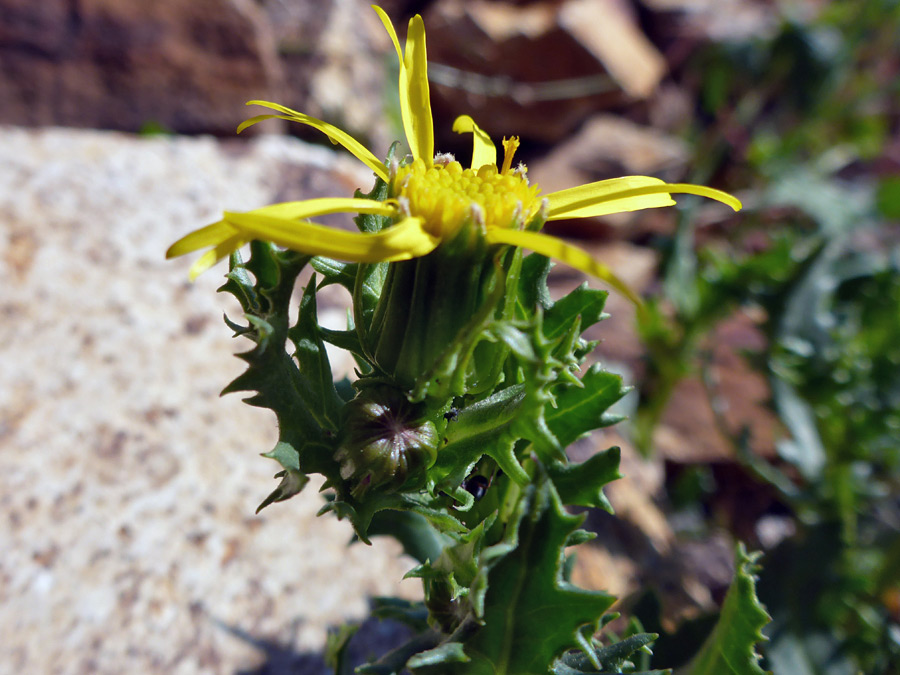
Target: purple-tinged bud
[{"x": 386, "y": 442}]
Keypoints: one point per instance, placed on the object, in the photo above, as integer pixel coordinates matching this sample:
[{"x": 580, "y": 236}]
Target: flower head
[
  {"x": 444, "y": 196},
  {"x": 432, "y": 197}
]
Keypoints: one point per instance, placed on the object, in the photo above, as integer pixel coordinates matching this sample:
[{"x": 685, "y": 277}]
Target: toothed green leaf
[
  {"x": 449, "y": 652},
  {"x": 481, "y": 427},
  {"x": 582, "y": 484},
  {"x": 303, "y": 400},
  {"x": 606, "y": 659},
  {"x": 583, "y": 302},
  {"x": 336, "y": 648},
  {"x": 731, "y": 648},
  {"x": 292, "y": 482},
  {"x": 313, "y": 361},
  {"x": 579, "y": 410},
  {"x": 530, "y": 615},
  {"x": 419, "y": 538},
  {"x": 533, "y": 291},
  {"x": 394, "y": 662}
]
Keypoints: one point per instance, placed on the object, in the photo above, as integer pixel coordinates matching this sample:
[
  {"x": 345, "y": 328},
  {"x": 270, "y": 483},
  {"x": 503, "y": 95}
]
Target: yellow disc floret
[{"x": 446, "y": 196}]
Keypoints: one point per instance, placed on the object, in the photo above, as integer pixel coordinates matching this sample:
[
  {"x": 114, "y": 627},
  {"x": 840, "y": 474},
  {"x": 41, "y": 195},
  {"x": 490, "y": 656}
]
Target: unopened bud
[{"x": 386, "y": 442}]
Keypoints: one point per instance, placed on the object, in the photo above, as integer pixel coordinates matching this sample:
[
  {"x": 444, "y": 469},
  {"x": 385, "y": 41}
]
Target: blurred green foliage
[{"x": 809, "y": 114}]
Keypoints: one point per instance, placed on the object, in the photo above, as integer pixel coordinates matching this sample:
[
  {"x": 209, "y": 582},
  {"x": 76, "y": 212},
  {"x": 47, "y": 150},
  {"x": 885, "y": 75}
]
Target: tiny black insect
[
  {"x": 477, "y": 486},
  {"x": 451, "y": 414}
]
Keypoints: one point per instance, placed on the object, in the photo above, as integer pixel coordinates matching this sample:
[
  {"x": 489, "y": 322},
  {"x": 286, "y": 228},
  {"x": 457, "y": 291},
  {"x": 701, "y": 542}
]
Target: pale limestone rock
[{"x": 127, "y": 486}]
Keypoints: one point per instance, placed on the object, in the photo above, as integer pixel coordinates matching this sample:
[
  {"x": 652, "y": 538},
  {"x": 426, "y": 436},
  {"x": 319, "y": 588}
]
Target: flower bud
[{"x": 386, "y": 441}]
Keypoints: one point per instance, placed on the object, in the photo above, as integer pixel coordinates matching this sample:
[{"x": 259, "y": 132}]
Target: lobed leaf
[
  {"x": 731, "y": 648},
  {"x": 530, "y": 614},
  {"x": 583, "y": 302},
  {"x": 582, "y": 484},
  {"x": 580, "y": 410}
]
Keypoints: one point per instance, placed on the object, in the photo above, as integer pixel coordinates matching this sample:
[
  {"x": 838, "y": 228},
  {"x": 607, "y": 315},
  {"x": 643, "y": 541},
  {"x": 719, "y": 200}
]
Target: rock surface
[
  {"x": 188, "y": 67},
  {"x": 183, "y": 66},
  {"x": 538, "y": 69},
  {"x": 127, "y": 486}
]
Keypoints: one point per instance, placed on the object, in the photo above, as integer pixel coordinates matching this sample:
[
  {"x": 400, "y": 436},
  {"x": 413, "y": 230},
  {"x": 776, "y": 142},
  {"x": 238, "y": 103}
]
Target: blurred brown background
[{"x": 539, "y": 69}]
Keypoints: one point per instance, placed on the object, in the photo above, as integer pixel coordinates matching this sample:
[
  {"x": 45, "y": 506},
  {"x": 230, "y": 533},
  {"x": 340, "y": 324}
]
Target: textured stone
[
  {"x": 330, "y": 66},
  {"x": 537, "y": 69},
  {"x": 127, "y": 486},
  {"x": 188, "y": 66}
]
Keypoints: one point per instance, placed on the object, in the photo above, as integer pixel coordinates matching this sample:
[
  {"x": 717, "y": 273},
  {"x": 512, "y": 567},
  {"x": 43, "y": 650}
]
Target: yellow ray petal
[
  {"x": 703, "y": 191},
  {"x": 389, "y": 27},
  {"x": 211, "y": 235},
  {"x": 215, "y": 233},
  {"x": 605, "y": 197},
  {"x": 415, "y": 104},
  {"x": 336, "y": 135},
  {"x": 214, "y": 255},
  {"x": 629, "y": 193},
  {"x": 310, "y": 208},
  {"x": 405, "y": 110},
  {"x": 402, "y": 241},
  {"x": 557, "y": 249},
  {"x": 483, "y": 149},
  {"x": 416, "y": 61}
]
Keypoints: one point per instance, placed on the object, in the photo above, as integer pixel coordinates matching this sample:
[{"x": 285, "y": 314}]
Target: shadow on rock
[{"x": 373, "y": 639}]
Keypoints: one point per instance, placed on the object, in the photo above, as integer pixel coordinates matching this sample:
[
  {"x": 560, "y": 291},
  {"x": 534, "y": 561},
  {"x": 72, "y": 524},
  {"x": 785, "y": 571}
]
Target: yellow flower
[{"x": 431, "y": 197}]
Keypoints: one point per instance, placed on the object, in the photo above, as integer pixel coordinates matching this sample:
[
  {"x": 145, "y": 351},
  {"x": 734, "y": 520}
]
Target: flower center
[{"x": 446, "y": 196}]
